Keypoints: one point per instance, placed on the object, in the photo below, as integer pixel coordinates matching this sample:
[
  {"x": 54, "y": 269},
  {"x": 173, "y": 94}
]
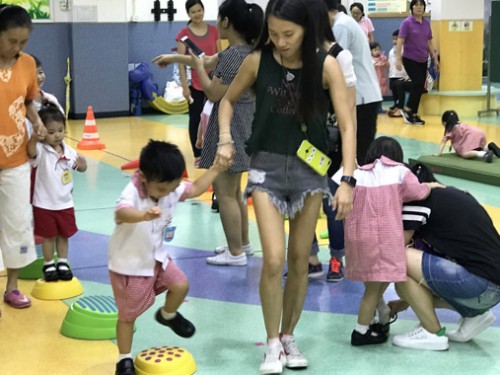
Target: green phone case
[{"x": 313, "y": 157}]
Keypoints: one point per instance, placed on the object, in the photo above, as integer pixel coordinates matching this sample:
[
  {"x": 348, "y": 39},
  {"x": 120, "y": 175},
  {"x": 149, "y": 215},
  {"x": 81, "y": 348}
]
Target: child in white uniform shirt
[
  {"x": 140, "y": 266},
  {"x": 54, "y": 215}
]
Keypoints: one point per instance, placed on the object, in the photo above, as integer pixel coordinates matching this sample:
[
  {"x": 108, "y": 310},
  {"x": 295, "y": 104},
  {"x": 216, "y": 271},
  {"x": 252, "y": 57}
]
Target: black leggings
[
  {"x": 417, "y": 71},
  {"x": 195, "y": 110},
  {"x": 366, "y": 116}
]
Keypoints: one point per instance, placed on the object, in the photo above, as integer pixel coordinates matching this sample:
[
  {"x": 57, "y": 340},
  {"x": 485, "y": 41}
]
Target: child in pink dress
[
  {"x": 468, "y": 141},
  {"x": 374, "y": 237},
  {"x": 381, "y": 64}
]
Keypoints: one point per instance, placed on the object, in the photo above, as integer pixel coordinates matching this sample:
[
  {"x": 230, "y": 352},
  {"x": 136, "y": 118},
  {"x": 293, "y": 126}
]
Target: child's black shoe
[
  {"x": 180, "y": 325},
  {"x": 383, "y": 328},
  {"x": 493, "y": 147},
  {"x": 358, "y": 339},
  {"x": 125, "y": 367},
  {"x": 50, "y": 272},
  {"x": 64, "y": 272}
]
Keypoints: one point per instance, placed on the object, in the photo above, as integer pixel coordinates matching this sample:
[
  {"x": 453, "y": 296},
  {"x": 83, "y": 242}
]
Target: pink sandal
[{"x": 16, "y": 299}]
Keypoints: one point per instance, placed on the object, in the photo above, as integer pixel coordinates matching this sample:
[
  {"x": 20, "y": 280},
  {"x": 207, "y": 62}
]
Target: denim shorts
[
  {"x": 469, "y": 294},
  {"x": 287, "y": 180}
]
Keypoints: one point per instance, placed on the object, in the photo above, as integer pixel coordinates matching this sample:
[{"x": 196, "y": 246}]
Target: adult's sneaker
[
  {"x": 248, "y": 249},
  {"x": 314, "y": 272},
  {"x": 407, "y": 117},
  {"x": 226, "y": 259},
  {"x": 417, "y": 120},
  {"x": 335, "y": 271},
  {"x": 471, "y": 327},
  {"x": 274, "y": 360},
  {"x": 294, "y": 358},
  {"x": 420, "y": 338}
]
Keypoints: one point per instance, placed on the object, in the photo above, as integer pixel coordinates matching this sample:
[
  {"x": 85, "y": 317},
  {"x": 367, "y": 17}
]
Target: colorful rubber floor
[{"x": 223, "y": 302}]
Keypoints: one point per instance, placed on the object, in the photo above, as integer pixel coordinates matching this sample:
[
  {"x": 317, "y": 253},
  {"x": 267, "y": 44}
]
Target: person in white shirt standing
[{"x": 54, "y": 215}]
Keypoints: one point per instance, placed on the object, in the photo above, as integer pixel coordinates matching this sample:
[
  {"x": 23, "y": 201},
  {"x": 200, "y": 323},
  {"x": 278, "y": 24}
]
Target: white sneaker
[
  {"x": 420, "y": 338},
  {"x": 294, "y": 358},
  {"x": 471, "y": 327},
  {"x": 246, "y": 248},
  {"x": 226, "y": 259},
  {"x": 274, "y": 360}
]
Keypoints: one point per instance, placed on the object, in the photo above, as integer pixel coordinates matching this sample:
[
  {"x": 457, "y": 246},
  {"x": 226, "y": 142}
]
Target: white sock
[
  {"x": 63, "y": 260},
  {"x": 166, "y": 315},
  {"x": 248, "y": 246},
  {"x": 50, "y": 263},
  {"x": 273, "y": 342},
  {"x": 361, "y": 328},
  {"x": 123, "y": 356},
  {"x": 286, "y": 338},
  {"x": 480, "y": 154},
  {"x": 383, "y": 311}
]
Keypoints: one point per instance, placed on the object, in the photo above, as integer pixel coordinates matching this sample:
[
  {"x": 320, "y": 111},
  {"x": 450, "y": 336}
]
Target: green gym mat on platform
[{"x": 469, "y": 169}]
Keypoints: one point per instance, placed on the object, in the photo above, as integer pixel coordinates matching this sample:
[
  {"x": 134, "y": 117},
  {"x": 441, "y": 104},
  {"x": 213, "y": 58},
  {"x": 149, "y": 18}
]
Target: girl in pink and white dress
[
  {"x": 468, "y": 141},
  {"x": 374, "y": 237}
]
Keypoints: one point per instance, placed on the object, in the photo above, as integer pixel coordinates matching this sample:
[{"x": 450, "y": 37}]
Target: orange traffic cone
[
  {"x": 133, "y": 164},
  {"x": 90, "y": 140}
]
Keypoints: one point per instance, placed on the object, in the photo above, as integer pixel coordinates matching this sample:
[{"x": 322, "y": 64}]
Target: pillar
[{"x": 458, "y": 27}]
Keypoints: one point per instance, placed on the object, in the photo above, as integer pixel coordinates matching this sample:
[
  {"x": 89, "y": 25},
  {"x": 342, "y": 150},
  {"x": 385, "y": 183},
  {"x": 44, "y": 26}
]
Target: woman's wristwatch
[{"x": 350, "y": 180}]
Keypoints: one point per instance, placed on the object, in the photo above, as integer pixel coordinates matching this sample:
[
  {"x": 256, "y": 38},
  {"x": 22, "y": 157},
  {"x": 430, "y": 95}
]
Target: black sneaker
[
  {"x": 215, "y": 204},
  {"x": 493, "y": 147},
  {"x": 417, "y": 120},
  {"x": 358, "y": 339},
  {"x": 488, "y": 157},
  {"x": 64, "y": 273},
  {"x": 125, "y": 367},
  {"x": 50, "y": 272},
  {"x": 408, "y": 117},
  {"x": 335, "y": 271},
  {"x": 315, "y": 271},
  {"x": 180, "y": 325}
]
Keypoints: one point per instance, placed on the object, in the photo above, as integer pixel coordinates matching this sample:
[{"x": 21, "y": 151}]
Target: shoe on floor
[
  {"x": 314, "y": 272},
  {"x": 335, "y": 271},
  {"x": 394, "y": 112},
  {"x": 488, "y": 157},
  {"x": 16, "y": 299},
  {"x": 274, "y": 360},
  {"x": 226, "y": 259},
  {"x": 417, "y": 120},
  {"x": 215, "y": 203},
  {"x": 420, "y": 338},
  {"x": 180, "y": 325},
  {"x": 125, "y": 367},
  {"x": 63, "y": 271},
  {"x": 407, "y": 117},
  {"x": 358, "y": 339},
  {"x": 294, "y": 358},
  {"x": 384, "y": 328},
  {"x": 493, "y": 147},
  {"x": 471, "y": 327},
  {"x": 248, "y": 249},
  {"x": 50, "y": 272}
]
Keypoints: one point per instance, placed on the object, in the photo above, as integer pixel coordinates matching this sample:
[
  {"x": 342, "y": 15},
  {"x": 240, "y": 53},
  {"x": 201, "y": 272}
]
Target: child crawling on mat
[{"x": 467, "y": 140}]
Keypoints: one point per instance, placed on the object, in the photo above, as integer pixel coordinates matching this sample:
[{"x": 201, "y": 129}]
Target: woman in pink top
[
  {"x": 358, "y": 13},
  {"x": 204, "y": 36},
  {"x": 374, "y": 237},
  {"x": 468, "y": 141}
]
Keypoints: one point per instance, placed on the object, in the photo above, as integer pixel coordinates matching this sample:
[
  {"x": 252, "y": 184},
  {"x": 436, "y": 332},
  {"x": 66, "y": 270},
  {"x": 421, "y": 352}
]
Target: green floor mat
[{"x": 469, "y": 169}]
